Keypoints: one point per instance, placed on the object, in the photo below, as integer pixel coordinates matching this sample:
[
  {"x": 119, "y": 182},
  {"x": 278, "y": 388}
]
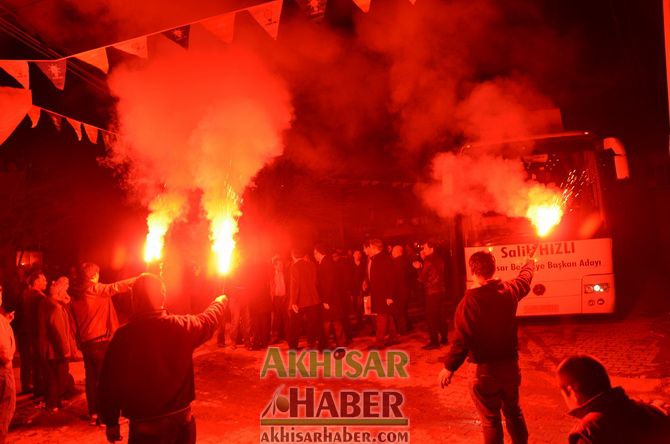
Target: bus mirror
[{"x": 620, "y": 158}]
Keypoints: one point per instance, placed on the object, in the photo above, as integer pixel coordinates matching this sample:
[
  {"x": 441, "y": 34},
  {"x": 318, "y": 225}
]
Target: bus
[{"x": 574, "y": 270}]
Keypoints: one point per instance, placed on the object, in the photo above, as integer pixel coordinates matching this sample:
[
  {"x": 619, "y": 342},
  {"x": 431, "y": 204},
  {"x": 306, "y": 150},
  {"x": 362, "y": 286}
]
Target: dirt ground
[{"x": 231, "y": 394}]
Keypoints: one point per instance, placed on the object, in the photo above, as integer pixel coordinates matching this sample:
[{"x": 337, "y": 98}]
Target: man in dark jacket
[
  {"x": 32, "y": 366},
  {"x": 147, "y": 374},
  {"x": 403, "y": 272},
  {"x": 331, "y": 296},
  {"x": 383, "y": 284},
  {"x": 486, "y": 332},
  {"x": 55, "y": 343},
  {"x": 95, "y": 321},
  {"x": 431, "y": 277},
  {"x": 607, "y": 415},
  {"x": 304, "y": 302}
]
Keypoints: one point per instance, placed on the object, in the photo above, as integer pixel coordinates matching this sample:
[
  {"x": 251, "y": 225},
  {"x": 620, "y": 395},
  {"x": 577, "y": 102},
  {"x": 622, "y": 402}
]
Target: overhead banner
[
  {"x": 17, "y": 69},
  {"x": 91, "y": 132},
  {"x": 54, "y": 70},
  {"x": 95, "y": 57},
  {"x": 267, "y": 15},
  {"x": 76, "y": 126},
  {"x": 14, "y": 105},
  {"x": 363, "y": 5}
]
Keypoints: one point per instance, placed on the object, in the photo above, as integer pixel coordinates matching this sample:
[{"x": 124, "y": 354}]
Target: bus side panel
[{"x": 566, "y": 273}]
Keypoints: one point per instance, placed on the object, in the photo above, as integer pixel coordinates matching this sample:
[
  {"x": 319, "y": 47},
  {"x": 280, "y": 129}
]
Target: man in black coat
[
  {"x": 486, "y": 332},
  {"x": 403, "y": 272},
  {"x": 332, "y": 298},
  {"x": 431, "y": 277},
  {"x": 304, "y": 302},
  {"x": 148, "y": 370},
  {"x": 383, "y": 287},
  {"x": 606, "y": 414}
]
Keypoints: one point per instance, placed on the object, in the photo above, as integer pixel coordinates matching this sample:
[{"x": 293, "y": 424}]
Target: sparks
[
  {"x": 545, "y": 210},
  {"x": 223, "y": 214},
  {"x": 164, "y": 210}
]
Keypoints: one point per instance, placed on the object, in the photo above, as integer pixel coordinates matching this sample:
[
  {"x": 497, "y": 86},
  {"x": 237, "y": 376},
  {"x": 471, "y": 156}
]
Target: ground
[{"x": 231, "y": 395}]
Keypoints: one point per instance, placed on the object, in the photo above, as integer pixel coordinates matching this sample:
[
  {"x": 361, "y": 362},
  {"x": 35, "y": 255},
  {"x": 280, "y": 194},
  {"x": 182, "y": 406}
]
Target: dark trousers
[
  {"x": 400, "y": 313},
  {"x": 495, "y": 387},
  {"x": 310, "y": 318},
  {"x": 338, "y": 332},
  {"x": 7, "y": 401},
  {"x": 163, "y": 431},
  {"x": 26, "y": 353},
  {"x": 260, "y": 328},
  {"x": 57, "y": 377},
  {"x": 94, "y": 355},
  {"x": 436, "y": 317},
  {"x": 279, "y": 317},
  {"x": 384, "y": 325}
]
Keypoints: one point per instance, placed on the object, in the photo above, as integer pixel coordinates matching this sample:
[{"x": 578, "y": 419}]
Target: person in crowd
[
  {"x": 383, "y": 288},
  {"x": 304, "y": 302},
  {"x": 260, "y": 304},
  {"x": 344, "y": 275},
  {"x": 486, "y": 332},
  {"x": 147, "y": 374},
  {"x": 7, "y": 383},
  {"x": 279, "y": 295},
  {"x": 431, "y": 277},
  {"x": 606, "y": 414},
  {"x": 331, "y": 296},
  {"x": 402, "y": 269},
  {"x": 55, "y": 343},
  {"x": 95, "y": 322},
  {"x": 32, "y": 367},
  {"x": 360, "y": 272},
  {"x": 239, "y": 326}
]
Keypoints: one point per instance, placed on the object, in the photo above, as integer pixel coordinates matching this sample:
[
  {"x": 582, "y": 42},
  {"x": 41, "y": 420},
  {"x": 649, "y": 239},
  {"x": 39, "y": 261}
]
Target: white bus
[{"x": 575, "y": 273}]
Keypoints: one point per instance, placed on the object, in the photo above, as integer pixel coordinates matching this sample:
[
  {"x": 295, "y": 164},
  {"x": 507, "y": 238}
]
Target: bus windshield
[{"x": 572, "y": 170}]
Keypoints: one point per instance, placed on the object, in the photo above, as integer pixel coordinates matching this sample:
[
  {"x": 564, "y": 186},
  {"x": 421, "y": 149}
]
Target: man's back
[
  {"x": 303, "y": 286},
  {"x": 148, "y": 368}
]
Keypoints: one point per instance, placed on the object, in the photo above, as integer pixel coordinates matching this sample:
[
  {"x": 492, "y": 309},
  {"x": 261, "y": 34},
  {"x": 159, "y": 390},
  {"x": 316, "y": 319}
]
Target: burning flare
[
  {"x": 164, "y": 210},
  {"x": 545, "y": 209},
  {"x": 223, "y": 214}
]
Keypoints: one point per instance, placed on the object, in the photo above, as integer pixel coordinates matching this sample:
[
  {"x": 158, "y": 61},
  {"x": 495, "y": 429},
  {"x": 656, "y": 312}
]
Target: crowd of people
[{"x": 143, "y": 369}]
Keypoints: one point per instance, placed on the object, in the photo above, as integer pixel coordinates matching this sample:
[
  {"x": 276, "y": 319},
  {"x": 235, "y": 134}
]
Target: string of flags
[{"x": 17, "y": 103}]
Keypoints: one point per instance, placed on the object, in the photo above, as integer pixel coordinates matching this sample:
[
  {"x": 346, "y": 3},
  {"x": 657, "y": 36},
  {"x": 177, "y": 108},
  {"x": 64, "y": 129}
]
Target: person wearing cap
[{"x": 147, "y": 373}]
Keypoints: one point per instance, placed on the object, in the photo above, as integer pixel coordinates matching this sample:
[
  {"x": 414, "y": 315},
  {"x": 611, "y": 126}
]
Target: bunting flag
[
  {"x": 267, "y": 15},
  {"x": 222, "y": 26},
  {"x": 54, "y": 70},
  {"x": 56, "y": 119},
  {"x": 34, "y": 113},
  {"x": 14, "y": 104},
  {"x": 95, "y": 57},
  {"x": 91, "y": 132},
  {"x": 76, "y": 126},
  {"x": 17, "y": 69},
  {"x": 179, "y": 35},
  {"x": 136, "y": 47},
  {"x": 314, "y": 8},
  {"x": 363, "y": 5}
]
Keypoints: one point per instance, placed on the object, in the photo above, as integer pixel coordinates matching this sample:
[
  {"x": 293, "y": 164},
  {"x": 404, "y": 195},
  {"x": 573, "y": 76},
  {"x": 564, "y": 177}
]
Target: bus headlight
[{"x": 596, "y": 288}]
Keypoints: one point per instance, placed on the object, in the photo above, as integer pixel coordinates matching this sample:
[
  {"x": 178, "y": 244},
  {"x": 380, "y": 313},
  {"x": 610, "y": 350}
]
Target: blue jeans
[{"x": 495, "y": 387}]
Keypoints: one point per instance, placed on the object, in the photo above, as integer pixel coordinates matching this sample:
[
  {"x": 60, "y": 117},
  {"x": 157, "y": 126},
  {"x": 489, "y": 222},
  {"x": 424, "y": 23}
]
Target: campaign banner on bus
[{"x": 560, "y": 260}]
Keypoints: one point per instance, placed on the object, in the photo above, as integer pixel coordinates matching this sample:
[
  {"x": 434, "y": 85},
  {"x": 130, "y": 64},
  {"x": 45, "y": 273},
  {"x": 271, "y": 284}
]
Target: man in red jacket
[
  {"x": 148, "y": 370},
  {"x": 486, "y": 332},
  {"x": 95, "y": 321}
]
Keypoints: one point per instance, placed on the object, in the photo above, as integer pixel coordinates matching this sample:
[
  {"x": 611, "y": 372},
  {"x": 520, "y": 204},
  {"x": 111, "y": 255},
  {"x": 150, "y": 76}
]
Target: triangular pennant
[
  {"x": 57, "y": 120},
  {"x": 413, "y": 2},
  {"x": 222, "y": 26},
  {"x": 34, "y": 114},
  {"x": 363, "y": 5},
  {"x": 14, "y": 104},
  {"x": 136, "y": 47},
  {"x": 267, "y": 15},
  {"x": 17, "y": 69},
  {"x": 313, "y": 8},
  {"x": 109, "y": 139},
  {"x": 179, "y": 35},
  {"x": 55, "y": 71},
  {"x": 76, "y": 126},
  {"x": 95, "y": 57},
  {"x": 92, "y": 133}
]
